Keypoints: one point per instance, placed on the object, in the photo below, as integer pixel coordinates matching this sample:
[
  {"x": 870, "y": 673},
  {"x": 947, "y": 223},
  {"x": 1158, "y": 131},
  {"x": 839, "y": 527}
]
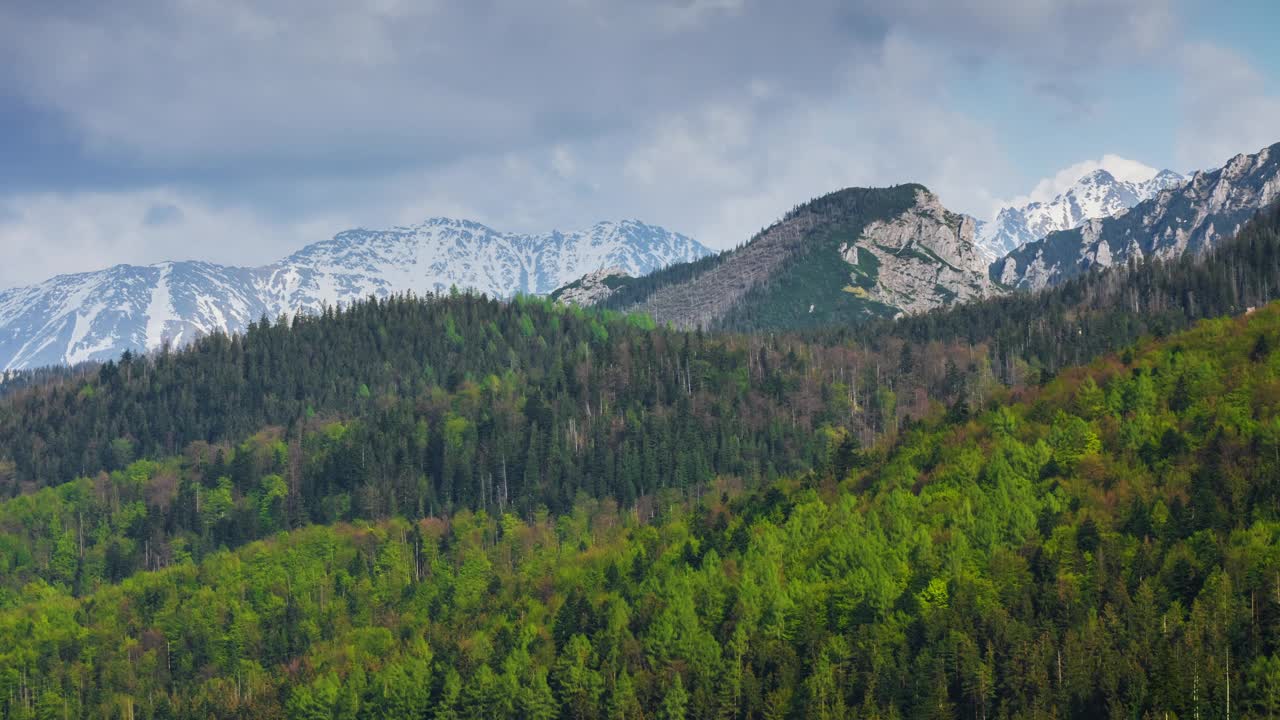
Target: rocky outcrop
[
  {"x": 924, "y": 258},
  {"x": 1188, "y": 218},
  {"x": 1098, "y": 194},
  {"x": 591, "y": 288},
  {"x": 851, "y": 255}
]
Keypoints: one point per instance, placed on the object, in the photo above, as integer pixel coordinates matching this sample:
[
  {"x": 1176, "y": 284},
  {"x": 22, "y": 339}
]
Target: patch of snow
[{"x": 160, "y": 309}]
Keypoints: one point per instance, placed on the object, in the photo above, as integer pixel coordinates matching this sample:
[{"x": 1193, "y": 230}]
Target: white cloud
[
  {"x": 52, "y": 233},
  {"x": 731, "y": 175},
  {"x": 1227, "y": 107},
  {"x": 691, "y": 13},
  {"x": 304, "y": 82},
  {"x": 271, "y": 85},
  {"x": 720, "y": 171},
  {"x": 1048, "y": 188},
  {"x": 562, "y": 161},
  {"x": 712, "y": 117},
  {"x": 1060, "y": 34}
]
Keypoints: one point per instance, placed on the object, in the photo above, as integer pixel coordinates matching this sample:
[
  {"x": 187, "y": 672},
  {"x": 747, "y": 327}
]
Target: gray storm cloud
[{"x": 299, "y": 85}]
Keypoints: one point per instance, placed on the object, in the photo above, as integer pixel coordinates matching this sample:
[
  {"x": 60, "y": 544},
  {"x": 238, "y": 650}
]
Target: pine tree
[
  {"x": 537, "y": 702},
  {"x": 676, "y": 702}
]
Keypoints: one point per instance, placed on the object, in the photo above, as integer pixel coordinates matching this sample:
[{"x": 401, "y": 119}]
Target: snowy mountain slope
[
  {"x": 1187, "y": 218},
  {"x": 441, "y": 253},
  {"x": 98, "y": 315},
  {"x": 1098, "y": 194}
]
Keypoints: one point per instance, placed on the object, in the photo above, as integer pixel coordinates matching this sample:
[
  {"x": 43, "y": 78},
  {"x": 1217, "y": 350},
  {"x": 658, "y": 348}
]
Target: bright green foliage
[
  {"x": 1072, "y": 440},
  {"x": 676, "y": 702},
  {"x": 1027, "y": 561},
  {"x": 419, "y": 407},
  {"x": 271, "y": 498},
  {"x": 536, "y": 701},
  {"x": 1050, "y": 557},
  {"x": 1264, "y": 683}
]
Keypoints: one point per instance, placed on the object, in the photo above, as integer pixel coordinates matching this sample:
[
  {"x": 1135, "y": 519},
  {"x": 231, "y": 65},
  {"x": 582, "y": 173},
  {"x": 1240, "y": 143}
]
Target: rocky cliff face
[
  {"x": 848, "y": 256},
  {"x": 1190, "y": 217},
  {"x": 925, "y": 258},
  {"x": 1098, "y": 194},
  {"x": 592, "y": 288}
]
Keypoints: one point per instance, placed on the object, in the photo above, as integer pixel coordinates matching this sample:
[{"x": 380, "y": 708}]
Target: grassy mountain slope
[{"x": 1105, "y": 545}]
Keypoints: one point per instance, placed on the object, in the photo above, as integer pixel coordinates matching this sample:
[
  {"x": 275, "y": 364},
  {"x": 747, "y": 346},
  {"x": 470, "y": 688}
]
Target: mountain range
[
  {"x": 861, "y": 254},
  {"x": 1184, "y": 218},
  {"x": 1098, "y": 194},
  {"x": 98, "y": 315},
  {"x": 849, "y": 256}
]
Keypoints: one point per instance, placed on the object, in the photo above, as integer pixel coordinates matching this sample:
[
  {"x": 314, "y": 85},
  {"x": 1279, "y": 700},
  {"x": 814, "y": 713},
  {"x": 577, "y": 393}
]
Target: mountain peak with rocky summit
[{"x": 1098, "y": 193}]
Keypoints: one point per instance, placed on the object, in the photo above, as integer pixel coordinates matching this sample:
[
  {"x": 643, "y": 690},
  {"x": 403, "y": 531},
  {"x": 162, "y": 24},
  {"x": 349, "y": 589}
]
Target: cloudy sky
[{"x": 237, "y": 130}]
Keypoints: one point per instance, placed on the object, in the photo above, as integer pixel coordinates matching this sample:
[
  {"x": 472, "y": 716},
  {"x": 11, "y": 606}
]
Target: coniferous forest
[
  {"x": 1055, "y": 505},
  {"x": 1104, "y": 545},
  {"x": 458, "y": 360}
]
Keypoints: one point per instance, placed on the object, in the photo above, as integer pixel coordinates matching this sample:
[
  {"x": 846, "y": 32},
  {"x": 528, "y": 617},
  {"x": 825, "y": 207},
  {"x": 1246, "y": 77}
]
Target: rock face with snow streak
[
  {"x": 1098, "y": 194},
  {"x": 1187, "y": 218},
  {"x": 98, "y": 315}
]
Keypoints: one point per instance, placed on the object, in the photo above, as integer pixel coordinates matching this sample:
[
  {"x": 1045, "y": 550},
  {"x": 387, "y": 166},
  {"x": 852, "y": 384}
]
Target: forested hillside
[
  {"x": 416, "y": 408},
  {"x": 458, "y": 507},
  {"x": 585, "y": 366},
  {"x": 451, "y": 388},
  {"x": 1107, "y": 545},
  {"x": 13, "y": 381}
]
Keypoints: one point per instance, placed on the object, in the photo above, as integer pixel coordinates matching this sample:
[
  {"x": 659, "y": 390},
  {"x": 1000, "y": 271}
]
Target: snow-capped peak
[
  {"x": 99, "y": 315},
  {"x": 1096, "y": 193}
]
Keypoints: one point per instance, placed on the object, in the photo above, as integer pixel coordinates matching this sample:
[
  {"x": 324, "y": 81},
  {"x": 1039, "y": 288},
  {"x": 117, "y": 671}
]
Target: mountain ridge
[
  {"x": 851, "y": 254},
  {"x": 1209, "y": 206},
  {"x": 1096, "y": 194},
  {"x": 99, "y": 314}
]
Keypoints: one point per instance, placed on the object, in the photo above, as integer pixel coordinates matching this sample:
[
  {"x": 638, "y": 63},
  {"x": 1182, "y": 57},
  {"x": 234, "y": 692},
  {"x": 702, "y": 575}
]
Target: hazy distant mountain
[{"x": 98, "y": 315}]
